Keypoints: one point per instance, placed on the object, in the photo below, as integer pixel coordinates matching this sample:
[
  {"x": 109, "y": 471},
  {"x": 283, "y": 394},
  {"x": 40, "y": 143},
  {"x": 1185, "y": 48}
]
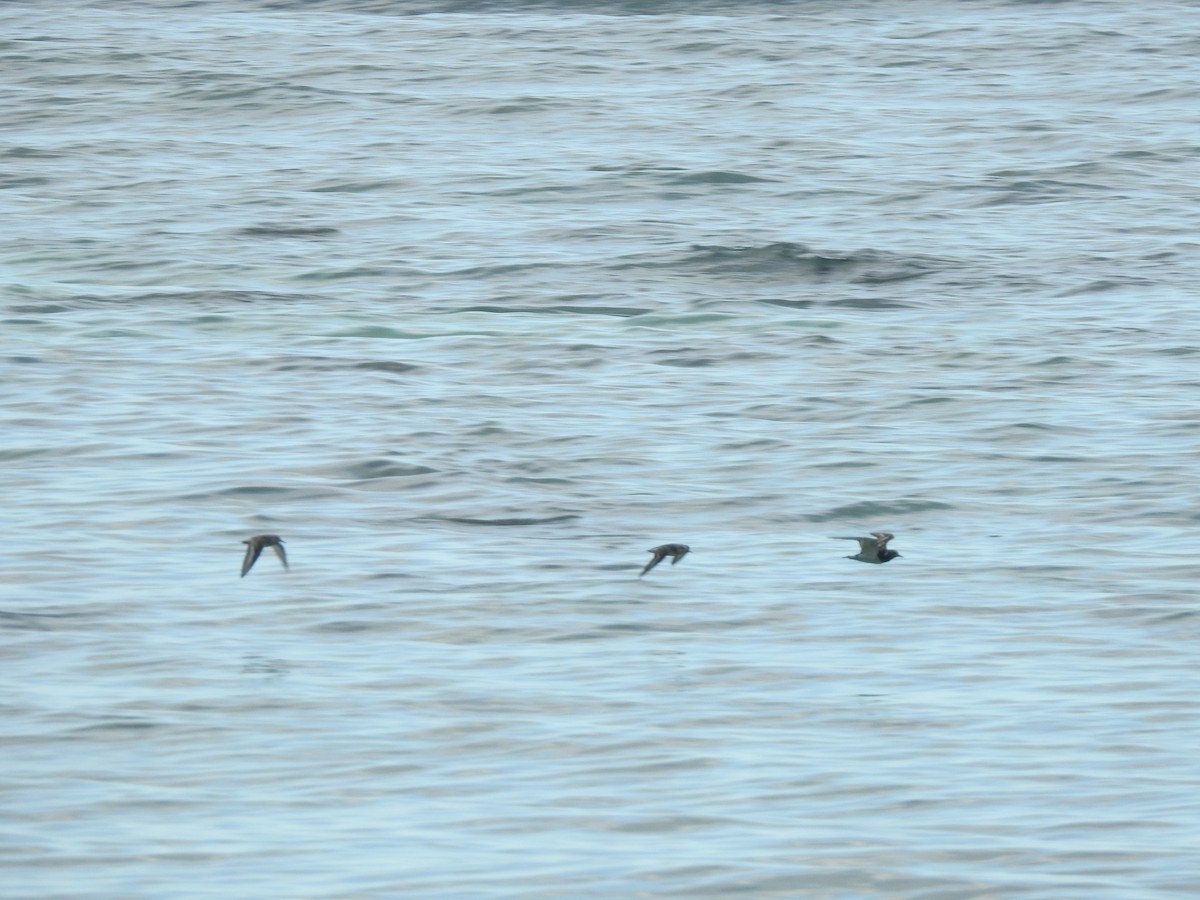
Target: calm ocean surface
[{"x": 473, "y": 303}]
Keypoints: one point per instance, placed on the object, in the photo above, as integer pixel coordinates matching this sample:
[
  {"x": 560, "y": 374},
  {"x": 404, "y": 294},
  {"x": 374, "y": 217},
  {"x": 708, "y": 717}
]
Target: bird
[
  {"x": 675, "y": 551},
  {"x": 254, "y": 548},
  {"x": 873, "y": 549}
]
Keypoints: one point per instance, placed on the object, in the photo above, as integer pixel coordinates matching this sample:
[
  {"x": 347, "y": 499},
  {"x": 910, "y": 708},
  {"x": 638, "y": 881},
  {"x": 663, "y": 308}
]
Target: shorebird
[
  {"x": 254, "y": 549},
  {"x": 675, "y": 551},
  {"x": 873, "y": 549}
]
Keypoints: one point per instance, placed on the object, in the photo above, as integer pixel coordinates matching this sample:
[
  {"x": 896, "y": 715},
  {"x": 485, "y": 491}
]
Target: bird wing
[
  {"x": 279, "y": 551},
  {"x": 253, "y": 550},
  {"x": 865, "y": 544},
  {"x": 658, "y": 557}
]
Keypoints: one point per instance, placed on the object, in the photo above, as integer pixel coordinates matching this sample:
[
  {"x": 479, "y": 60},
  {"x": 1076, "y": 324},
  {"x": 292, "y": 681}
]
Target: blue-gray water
[{"x": 476, "y": 304}]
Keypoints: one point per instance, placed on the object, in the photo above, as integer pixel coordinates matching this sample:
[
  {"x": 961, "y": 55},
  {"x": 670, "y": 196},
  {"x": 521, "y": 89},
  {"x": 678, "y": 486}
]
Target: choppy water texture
[{"x": 476, "y": 304}]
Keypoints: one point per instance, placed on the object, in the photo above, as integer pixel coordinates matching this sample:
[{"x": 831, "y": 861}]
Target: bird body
[
  {"x": 873, "y": 549},
  {"x": 254, "y": 549}
]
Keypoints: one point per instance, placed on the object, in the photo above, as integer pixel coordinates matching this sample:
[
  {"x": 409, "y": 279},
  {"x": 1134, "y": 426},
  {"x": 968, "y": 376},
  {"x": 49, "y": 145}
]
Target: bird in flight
[
  {"x": 675, "y": 551},
  {"x": 254, "y": 549},
  {"x": 873, "y": 549}
]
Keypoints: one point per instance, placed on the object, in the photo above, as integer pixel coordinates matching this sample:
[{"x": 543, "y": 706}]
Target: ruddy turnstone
[
  {"x": 675, "y": 551},
  {"x": 873, "y": 549},
  {"x": 254, "y": 549}
]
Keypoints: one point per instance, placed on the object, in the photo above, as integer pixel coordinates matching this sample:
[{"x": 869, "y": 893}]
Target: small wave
[
  {"x": 205, "y": 298},
  {"x": 717, "y": 177},
  {"x": 798, "y": 262},
  {"x": 384, "y": 468},
  {"x": 873, "y": 510},
  {"x": 461, "y": 520},
  {"x": 268, "y": 230},
  {"x": 294, "y": 363}
]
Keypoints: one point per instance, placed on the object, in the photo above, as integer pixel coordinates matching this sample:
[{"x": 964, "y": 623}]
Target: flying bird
[
  {"x": 675, "y": 551},
  {"x": 254, "y": 549},
  {"x": 873, "y": 549}
]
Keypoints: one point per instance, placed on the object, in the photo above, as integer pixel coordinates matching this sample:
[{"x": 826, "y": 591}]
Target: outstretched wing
[
  {"x": 253, "y": 551},
  {"x": 865, "y": 544},
  {"x": 659, "y": 556}
]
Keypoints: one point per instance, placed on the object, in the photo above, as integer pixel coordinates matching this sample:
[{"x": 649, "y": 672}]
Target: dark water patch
[
  {"x": 388, "y": 576},
  {"x": 457, "y": 520},
  {"x": 639, "y": 169},
  {"x": 74, "y": 450},
  {"x": 168, "y": 299},
  {"x": 777, "y": 412},
  {"x": 30, "y": 621},
  {"x": 868, "y": 303},
  {"x": 385, "y": 333},
  {"x": 821, "y": 340},
  {"x": 535, "y": 190},
  {"x": 1105, "y": 285},
  {"x": 493, "y": 269},
  {"x": 1032, "y": 426},
  {"x": 652, "y": 320},
  {"x": 302, "y": 231},
  {"x": 29, "y": 153},
  {"x": 11, "y": 182},
  {"x": 692, "y": 362},
  {"x": 489, "y": 430},
  {"x": 926, "y": 401},
  {"x": 876, "y": 509},
  {"x": 384, "y": 468},
  {"x": 717, "y": 177},
  {"x": 1176, "y": 617},
  {"x": 352, "y": 186},
  {"x": 618, "y": 311},
  {"x": 118, "y": 726},
  {"x": 770, "y": 259},
  {"x": 785, "y": 260},
  {"x": 337, "y": 363},
  {"x": 618, "y": 567},
  {"x": 351, "y": 273},
  {"x": 846, "y": 465},
  {"x": 521, "y": 105},
  {"x": 257, "y": 665},
  {"x": 345, "y": 626},
  {"x": 254, "y": 490},
  {"x": 118, "y": 333},
  {"x": 701, "y": 361},
  {"x": 273, "y": 493},
  {"x": 1032, "y": 191},
  {"x": 392, "y": 368},
  {"x": 790, "y": 304},
  {"x": 623, "y": 312},
  {"x": 607, "y": 633},
  {"x": 212, "y": 319},
  {"x": 760, "y": 444}
]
